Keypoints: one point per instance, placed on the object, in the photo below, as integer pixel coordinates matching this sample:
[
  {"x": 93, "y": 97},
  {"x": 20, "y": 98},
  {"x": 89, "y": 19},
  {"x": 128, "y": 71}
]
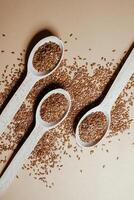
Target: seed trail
[{"x": 84, "y": 88}]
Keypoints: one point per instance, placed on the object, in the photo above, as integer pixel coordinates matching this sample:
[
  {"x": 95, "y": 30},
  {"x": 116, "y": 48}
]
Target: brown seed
[
  {"x": 47, "y": 57},
  {"x": 93, "y": 127},
  {"x": 54, "y": 108},
  {"x": 84, "y": 89},
  {"x": 91, "y": 152}
]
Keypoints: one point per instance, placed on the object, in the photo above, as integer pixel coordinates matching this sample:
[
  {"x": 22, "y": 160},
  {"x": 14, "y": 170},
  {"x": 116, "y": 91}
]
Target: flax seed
[
  {"x": 93, "y": 127},
  {"x": 54, "y": 108},
  {"x": 47, "y": 57}
]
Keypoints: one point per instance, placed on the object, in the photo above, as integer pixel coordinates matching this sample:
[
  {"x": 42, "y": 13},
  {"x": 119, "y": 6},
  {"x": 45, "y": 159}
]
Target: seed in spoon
[
  {"x": 54, "y": 108},
  {"x": 47, "y": 57},
  {"x": 93, "y": 127}
]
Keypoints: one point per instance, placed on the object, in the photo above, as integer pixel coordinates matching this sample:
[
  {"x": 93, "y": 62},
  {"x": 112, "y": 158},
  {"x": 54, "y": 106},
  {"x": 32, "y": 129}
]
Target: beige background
[{"x": 102, "y": 26}]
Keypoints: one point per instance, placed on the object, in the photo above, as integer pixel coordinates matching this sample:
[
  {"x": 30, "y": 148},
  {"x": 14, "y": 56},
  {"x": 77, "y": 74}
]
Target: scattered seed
[
  {"x": 91, "y": 152},
  {"x": 84, "y": 89}
]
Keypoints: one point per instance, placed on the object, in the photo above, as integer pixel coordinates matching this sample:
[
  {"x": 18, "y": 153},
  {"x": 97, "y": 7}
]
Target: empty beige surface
[{"x": 102, "y": 26}]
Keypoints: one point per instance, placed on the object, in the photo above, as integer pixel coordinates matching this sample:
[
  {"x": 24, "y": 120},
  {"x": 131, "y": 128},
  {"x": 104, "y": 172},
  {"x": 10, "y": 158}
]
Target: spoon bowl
[
  {"x": 99, "y": 108},
  {"x": 31, "y": 68},
  {"x": 53, "y": 124}
]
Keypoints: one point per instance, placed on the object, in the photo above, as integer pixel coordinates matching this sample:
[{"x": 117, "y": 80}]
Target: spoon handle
[
  {"x": 15, "y": 103},
  {"x": 120, "y": 82},
  {"x": 18, "y": 160}
]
